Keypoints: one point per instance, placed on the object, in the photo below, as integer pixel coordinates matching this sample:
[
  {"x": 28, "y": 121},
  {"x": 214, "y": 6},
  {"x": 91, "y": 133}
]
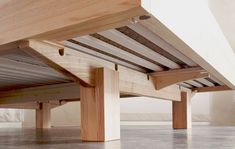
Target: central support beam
[
  {"x": 166, "y": 78},
  {"x": 80, "y": 67},
  {"x": 100, "y": 109},
  {"x": 42, "y": 93}
]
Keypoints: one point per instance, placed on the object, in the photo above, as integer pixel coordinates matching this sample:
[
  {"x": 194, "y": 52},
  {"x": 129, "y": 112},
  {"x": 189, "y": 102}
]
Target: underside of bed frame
[{"x": 96, "y": 52}]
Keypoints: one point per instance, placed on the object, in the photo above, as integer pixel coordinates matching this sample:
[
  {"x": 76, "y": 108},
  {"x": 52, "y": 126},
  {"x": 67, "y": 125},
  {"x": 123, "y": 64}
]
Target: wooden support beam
[
  {"x": 43, "y": 115},
  {"x": 166, "y": 78},
  {"x": 211, "y": 89},
  {"x": 181, "y": 112},
  {"x": 68, "y": 18},
  {"x": 41, "y": 93},
  {"x": 9, "y": 48},
  {"x": 28, "y": 105},
  {"x": 81, "y": 67},
  {"x": 100, "y": 110}
]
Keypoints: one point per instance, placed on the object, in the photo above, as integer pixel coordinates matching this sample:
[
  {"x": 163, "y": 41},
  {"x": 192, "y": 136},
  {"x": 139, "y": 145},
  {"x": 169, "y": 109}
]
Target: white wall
[
  {"x": 223, "y": 108},
  {"x": 132, "y": 109},
  {"x": 147, "y": 109}
]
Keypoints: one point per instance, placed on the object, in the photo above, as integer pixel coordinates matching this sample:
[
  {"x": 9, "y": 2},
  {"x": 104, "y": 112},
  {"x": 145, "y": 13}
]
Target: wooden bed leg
[
  {"x": 181, "y": 112},
  {"x": 43, "y": 116},
  {"x": 100, "y": 107}
]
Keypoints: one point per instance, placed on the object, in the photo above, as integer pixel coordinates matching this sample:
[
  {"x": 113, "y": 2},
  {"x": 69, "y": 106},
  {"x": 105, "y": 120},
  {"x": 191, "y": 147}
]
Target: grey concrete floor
[{"x": 132, "y": 137}]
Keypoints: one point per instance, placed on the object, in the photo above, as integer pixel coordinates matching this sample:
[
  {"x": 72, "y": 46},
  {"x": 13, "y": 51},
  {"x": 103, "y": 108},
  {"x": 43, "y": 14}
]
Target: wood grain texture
[
  {"x": 181, "y": 112},
  {"x": 212, "y": 89},
  {"x": 28, "y": 105},
  {"x": 41, "y": 93},
  {"x": 43, "y": 116},
  {"x": 62, "y": 19},
  {"x": 100, "y": 110},
  {"x": 82, "y": 67},
  {"x": 166, "y": 78}
]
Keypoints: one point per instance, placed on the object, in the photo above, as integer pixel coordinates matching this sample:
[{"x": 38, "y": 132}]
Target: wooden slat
[
  {"x": 154, "y": 38},
  {"x": 82, "y": 66},
  {"x": 194, "y": 83},
  {"x": 89, "y": 40},
  {"x": 212, "y": 89},
  {"x": 130, "y": 43},
  {"x": 186, "y": 85},
  {"x": 68, "y": 18},
  {"x": 103, "y": 56},
  {"x": 205, "y": 82},
  {"x": 29, "y": 68}
]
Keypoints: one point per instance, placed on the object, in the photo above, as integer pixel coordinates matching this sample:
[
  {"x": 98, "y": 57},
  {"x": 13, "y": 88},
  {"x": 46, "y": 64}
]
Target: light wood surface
[
  {"x": 166, "y": 78},
  {"x": 41, "y": 93},
  {"x": 43, "y": 115},
  {"x": 130, "y": 43},
  {"x": 103, "y": 46},
  {"x": 100, "y": 109},
  {"x": 81, "y": 67},
  {"x": 154, "y": 38},
  {"x": 68, "y": 18},
  {"x": 28, "y": 105},
  {"x": 212, "y": 89},
  {"x": 181, "y": 112},
  {"x": 103, "y": 56}
]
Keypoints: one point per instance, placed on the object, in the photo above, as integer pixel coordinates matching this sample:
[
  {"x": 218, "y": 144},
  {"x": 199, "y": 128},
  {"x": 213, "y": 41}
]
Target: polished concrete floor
[{"x": 132, "y": 137}]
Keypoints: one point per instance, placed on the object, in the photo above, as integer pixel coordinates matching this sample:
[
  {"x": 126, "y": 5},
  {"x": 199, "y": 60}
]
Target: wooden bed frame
[{"x": 97, "y": 52}]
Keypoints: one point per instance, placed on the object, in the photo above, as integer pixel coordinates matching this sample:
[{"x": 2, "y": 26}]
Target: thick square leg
[
  {"x": 181, "y": 112},
  {"x": 100, "y": 107},
  {"x": 43, "y": 116}
]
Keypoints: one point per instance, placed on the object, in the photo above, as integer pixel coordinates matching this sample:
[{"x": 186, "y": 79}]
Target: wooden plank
[
  {"x": 194, "y": 83},
  {"x": 211, "y": 89},
  {"x": 82, "y": 67},
  {"x": 141, "y": 84},
  {"x": 154, "y": 38},
  {"x": 41, "y": 93},
  {"x": 28, "y": 105},
  {"x": 185, "y": 85},
  {"x": 205, "y": 82},
  {"x": 130, "y": 43},
  {"x": 181, "y": 112},
  {"x": 68, "y": 18},
  {"x": 103, "y": 56},
  {"x": 43, "y": 116},
  {"x": 100, "y": 109},
  {"x": 201, "y": 41},
  {"x": 103, "y": 46},
  {"x": 29, "y": 69},
  {"x": 166, "y": 78},
  {"x": 178, "y": 71},
  {"x": 9, "y": 48}
]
